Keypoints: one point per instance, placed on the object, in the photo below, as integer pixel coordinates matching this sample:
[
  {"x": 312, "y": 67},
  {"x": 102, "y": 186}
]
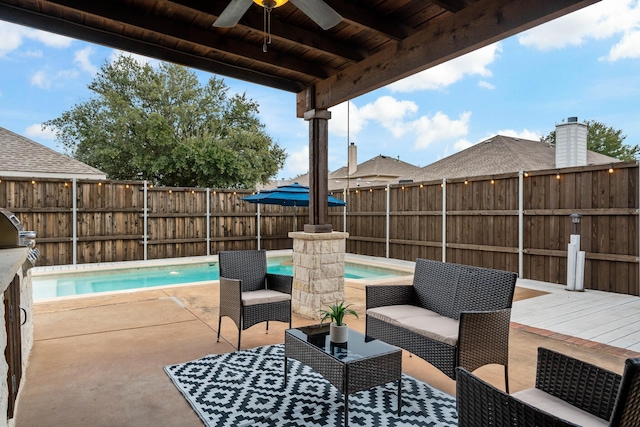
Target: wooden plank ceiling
[{"x": 377, "y": 42}]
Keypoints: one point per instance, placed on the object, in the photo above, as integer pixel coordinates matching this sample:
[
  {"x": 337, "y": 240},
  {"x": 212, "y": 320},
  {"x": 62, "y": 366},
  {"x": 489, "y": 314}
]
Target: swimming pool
[{"x": 61, "y": 284}]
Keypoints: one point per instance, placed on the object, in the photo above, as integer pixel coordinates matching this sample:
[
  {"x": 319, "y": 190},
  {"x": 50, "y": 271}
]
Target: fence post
[
  {"x": 145, "y": 219},
  {"x": 521, "y": 224},
  {"x": 388, "y": 217},
  {"x": 444, "y": 219},
  {"x": 74, "y": 194},
  {"x": 208, "y": 221}
]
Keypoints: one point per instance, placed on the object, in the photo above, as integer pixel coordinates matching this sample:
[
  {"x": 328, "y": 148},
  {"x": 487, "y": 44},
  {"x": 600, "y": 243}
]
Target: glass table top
[{"x": 358, "y": 345}]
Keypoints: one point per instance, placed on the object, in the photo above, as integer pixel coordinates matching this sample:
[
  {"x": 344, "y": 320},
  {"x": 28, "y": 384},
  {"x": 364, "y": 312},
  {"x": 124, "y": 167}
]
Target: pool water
[{"x": 67, "y": 284}]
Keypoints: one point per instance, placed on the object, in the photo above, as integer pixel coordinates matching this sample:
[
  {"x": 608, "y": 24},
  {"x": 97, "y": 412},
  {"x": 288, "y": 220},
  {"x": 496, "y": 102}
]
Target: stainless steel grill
[{"x": 13, "y": 235}]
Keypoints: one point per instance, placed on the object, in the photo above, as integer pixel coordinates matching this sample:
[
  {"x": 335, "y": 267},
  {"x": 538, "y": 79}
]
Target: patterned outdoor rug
[{"x": 245, "y": 388}]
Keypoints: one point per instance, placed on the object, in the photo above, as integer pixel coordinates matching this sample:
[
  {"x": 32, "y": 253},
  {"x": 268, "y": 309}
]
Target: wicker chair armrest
[
  {"x": 231, "y": 298},
  {"x": 480, "y": 404},
  {"x": 578, "y": 383},
  {"x": 380, "y": 296},
  {"x": 279, "y": 282},
  {"x": 483, "y": 338}
]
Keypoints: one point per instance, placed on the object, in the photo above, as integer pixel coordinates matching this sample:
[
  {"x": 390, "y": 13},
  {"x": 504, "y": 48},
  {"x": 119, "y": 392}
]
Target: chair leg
[
  {"x": 267, "y": 327},
  {"x": 506, "y": 379},
  {"x": 239, "y": 333},
  {"x": 219, "y": 324}
]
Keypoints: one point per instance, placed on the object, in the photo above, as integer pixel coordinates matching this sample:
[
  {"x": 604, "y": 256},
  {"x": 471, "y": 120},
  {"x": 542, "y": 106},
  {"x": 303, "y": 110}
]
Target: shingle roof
[
  {"x": 500, "y": 154},
  {"x": 378, "y": 170},
  {"x": 21, "y": 156}
]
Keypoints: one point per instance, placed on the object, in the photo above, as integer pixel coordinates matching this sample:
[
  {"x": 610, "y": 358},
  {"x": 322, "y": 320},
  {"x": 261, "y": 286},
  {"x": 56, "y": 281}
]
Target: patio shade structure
[
  {"x": 375, "y": 44},
  {"x": 289, "y": 195}
]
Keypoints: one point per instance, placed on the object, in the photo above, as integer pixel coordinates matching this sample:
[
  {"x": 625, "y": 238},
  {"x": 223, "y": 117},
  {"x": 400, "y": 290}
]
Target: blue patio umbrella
[{"x": 289, "y": 195}]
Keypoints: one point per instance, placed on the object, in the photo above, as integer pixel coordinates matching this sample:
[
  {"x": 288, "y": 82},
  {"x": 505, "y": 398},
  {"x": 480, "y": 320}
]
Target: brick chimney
[{"x": 571, "y": 143}]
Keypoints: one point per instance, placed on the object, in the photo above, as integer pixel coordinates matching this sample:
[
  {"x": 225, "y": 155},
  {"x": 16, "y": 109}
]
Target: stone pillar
[{"x": 318, "y": 271}]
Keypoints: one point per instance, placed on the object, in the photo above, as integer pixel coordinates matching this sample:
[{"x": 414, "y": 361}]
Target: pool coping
[{"x": 406, "y": 267}]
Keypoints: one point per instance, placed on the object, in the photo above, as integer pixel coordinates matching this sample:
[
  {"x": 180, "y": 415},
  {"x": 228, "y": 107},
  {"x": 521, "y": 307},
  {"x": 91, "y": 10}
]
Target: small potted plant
[{"x": 338, "y": 329}]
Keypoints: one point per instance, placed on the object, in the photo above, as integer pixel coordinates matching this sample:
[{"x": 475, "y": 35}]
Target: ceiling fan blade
[
  {"x": 232, "y": 13},
  {"x": 320, "y": 12}
]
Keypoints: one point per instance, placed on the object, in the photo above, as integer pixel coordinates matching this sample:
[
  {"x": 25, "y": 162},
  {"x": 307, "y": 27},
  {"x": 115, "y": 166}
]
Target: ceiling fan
[{"x": 319, "y": 12}]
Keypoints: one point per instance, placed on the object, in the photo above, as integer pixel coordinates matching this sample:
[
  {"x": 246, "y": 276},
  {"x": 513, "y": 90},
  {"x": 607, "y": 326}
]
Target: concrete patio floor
[{"x": 98, "y": 360}]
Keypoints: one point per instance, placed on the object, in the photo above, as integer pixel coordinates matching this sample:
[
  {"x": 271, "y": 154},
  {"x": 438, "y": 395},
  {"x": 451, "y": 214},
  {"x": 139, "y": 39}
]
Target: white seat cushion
[
  {"x": 263, "y": 296},
  {"x": 559, "y": 408},
  {"x": 419, "y": 320}
]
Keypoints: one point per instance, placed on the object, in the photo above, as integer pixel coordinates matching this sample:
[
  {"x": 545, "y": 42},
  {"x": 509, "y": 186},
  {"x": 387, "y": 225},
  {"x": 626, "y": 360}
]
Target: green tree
[
  {"x": 605, "y": 140},
  {"x": 164, "y": 126}
]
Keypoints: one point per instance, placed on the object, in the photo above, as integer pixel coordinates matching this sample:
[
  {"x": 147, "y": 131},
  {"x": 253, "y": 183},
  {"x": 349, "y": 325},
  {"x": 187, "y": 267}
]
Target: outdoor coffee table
[{"x": 359, "y": 364}]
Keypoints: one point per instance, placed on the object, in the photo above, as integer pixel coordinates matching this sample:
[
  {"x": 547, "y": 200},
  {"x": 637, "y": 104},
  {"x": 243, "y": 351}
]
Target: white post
[
  {"x": 146, "y": 219},
  {"x": 521, "y": 224},
  {"x": 208, "y": 221},
  {"x": 388, "y": 217},
  {"x": 581, "y": 255},
  {"x": 572, "y": 257},
  {"x": 74, "y": 194},
  {"x": 444, "y": 219}
]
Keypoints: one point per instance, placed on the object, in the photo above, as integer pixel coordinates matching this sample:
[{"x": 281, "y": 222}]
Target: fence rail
[{"x": 517, "y": 222}]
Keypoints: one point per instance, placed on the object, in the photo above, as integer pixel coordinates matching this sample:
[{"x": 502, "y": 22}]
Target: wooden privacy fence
[{"x": 517, "y": 222}]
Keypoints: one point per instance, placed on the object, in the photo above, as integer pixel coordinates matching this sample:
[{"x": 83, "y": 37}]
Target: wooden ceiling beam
[
  {"x": 450, "y": 5},
  {"x": 37, "y": 19},
  {"x": 209, "y": 39},
  {"x": 364, "y": 18},
  {"x": 476, "y": 26},
  {"x": 281, "y": 31}
]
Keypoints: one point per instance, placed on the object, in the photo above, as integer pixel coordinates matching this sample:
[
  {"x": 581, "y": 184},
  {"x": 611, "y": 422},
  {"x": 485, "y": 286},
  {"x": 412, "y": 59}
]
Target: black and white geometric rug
[{"x": 246, "y": 388}]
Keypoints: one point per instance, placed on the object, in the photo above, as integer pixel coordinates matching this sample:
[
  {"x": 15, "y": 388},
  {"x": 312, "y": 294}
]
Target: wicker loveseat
[
  {"x": 568, "y": 392},
  {"x": 452, "y": 315}
]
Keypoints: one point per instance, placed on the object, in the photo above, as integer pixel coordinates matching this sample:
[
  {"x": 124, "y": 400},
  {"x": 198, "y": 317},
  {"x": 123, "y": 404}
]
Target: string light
[
  {"x": 99, "y": 184},
  {"x": 193, "y": 192},
  {"x": 66, "y": 184},
  {"x": 371, "y": 190},
  {"x": 126, "y": 186},
  {"x": 33, "y": 182},
  {"x": 493, "y": 181},
  {"x": 421, "y": 185},
  {"x": 611, "y": 168},
  {"x": 466, "y": 181},
  {"x": 170, "y": 191},
  {"x": 526, "y": 174},
  {"x": 558, "y": 175}
]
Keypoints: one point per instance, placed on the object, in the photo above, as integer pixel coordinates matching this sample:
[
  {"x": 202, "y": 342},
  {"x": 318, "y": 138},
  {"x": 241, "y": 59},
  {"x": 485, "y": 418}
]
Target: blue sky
[{"x": 586, "y": 64}]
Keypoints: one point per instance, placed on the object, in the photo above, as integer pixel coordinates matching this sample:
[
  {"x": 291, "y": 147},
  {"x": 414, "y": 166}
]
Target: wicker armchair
[
  {"x": 568, "y": 392},
  {"x": 452, "y": 315},
  {"x": 248, "y": 294}
]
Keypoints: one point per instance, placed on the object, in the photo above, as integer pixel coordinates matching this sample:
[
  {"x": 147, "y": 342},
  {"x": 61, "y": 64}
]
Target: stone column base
[{"x": 318, "y": 271}]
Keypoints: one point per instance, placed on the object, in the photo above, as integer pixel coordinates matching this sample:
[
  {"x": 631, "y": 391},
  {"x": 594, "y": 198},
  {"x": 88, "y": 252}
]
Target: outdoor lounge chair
[
  {"x": 248, "y": 294},
  {"x": 452, "y": 315},
  {"x": 568, "y": 392}
]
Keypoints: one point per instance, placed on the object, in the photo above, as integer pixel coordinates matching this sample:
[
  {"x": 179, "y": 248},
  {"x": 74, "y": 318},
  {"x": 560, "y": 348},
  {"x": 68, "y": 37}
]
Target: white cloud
[
  {"x": 448, "y": 73},
  {"x": 36, "y": 131},
  {"x": 486, "y": 85},
  {"x": 298, "y": 162},
  {"x": 341, "y": 124},
  {"x": 390, "y": 113},
  {"x": 12, "y": 36},
  {"x": 82, "y": 59},
  {"x": 523, "y": 134},
  {"x": 32, "y": 54},
  {"x": 40, "y": 80},
  {"x": 439, "y": 128},
  {"x": 48, "y": 39},
  {"x": 627, "y": 47},
  {"x": 44, "y": 81},
  {"x": 598, "y": 22},
  {"x": 462, "y": 144}
]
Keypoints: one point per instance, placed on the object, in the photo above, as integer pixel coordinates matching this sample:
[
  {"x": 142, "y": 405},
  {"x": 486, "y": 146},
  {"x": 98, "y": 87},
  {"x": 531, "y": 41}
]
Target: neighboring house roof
[
  {"x": 22, "y": 157},
  {"x": 378, "y": 170},
  {"x": 500, "y": 154}
]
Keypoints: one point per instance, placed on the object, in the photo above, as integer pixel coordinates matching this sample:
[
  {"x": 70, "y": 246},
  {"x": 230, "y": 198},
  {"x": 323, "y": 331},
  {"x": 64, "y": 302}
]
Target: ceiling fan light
[{"x": 270, "y": 4}]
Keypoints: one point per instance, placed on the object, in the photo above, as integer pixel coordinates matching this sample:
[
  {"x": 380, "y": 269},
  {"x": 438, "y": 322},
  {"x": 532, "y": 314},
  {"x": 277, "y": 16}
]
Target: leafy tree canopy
[
  {"x": 164, "y": 126},
  {"x": 605, "y": 140}
]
